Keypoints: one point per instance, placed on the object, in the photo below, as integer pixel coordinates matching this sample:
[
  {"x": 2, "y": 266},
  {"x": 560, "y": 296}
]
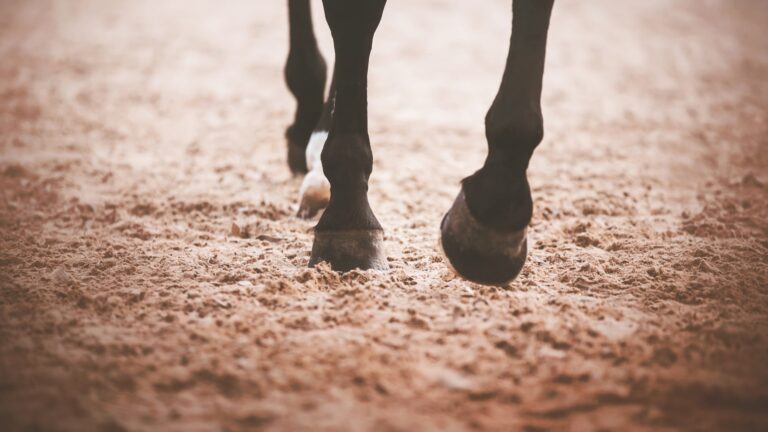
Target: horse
[{"x": 483, "y": 234}]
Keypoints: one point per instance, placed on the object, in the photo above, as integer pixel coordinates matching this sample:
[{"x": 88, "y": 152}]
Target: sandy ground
[{"x": 134, "y": 134}]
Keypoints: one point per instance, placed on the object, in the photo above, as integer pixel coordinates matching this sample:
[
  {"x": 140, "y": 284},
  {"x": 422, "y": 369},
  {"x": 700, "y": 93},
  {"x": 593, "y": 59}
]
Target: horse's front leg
[
  {"x": 348, "y": 235},
  {"x": 483, "y": 234}
]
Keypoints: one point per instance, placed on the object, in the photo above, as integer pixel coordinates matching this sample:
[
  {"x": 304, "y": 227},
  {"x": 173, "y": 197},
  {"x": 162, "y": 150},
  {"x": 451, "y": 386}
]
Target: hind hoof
[
  {"x": 314, "y": 194},
  {"x": 478, "y": 253},
  {"x": 346, "y": 250}
]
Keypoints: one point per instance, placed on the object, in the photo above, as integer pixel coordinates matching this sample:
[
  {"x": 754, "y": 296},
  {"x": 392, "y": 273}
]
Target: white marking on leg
[
  {"x": 315, "y": 190},
  {"x": 314, "y": 148}
]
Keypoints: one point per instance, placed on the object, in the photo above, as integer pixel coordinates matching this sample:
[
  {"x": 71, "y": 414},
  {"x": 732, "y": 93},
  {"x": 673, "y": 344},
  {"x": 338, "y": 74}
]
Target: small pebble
[{"x": 62, "y": 277}]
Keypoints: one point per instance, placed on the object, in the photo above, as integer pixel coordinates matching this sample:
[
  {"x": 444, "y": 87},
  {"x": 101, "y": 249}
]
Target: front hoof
[
  {"x": 345, "y": 250},
  {"x": 479, "y": 253}
]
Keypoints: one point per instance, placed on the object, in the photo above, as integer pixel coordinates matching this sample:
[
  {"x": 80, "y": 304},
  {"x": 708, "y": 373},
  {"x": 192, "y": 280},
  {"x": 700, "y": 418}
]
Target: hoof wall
[
  {"x": 350, "y": 249},
  {"x": 314, "y": 194},
  {"x": 479, "y": 253}
]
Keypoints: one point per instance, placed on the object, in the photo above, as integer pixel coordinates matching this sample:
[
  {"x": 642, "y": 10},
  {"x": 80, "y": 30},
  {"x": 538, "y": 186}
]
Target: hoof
[
  {"x": 350, "y": 249},
  {"x": 478, "y": 253},
  {"x": 315, "y": 191},
  {"x": 314, "y": 194}
]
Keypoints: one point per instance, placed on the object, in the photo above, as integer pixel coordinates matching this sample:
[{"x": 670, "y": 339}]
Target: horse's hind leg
[
  {"x": 315, "y": 191},
  {"x": 483, "y": 235},
  {"x": 305, "y": 74}
]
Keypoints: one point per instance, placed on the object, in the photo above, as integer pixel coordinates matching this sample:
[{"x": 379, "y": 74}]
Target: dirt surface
[{"x": 152, "y": 272}]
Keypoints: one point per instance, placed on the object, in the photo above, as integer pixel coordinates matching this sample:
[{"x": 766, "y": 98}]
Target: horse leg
[
  {"x": 483, "y": 234},
  {"x": 315, "y": 190},
  {"x": 348, "y": 234},
  {"x": 305, "y": 74}
]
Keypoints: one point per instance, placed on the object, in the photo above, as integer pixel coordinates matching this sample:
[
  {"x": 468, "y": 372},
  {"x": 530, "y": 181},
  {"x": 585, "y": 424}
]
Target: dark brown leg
[
  {"x": 483, "y": 234},
  {"x": 348, "y": 235},
  {"x": 305, "y": 74}
]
